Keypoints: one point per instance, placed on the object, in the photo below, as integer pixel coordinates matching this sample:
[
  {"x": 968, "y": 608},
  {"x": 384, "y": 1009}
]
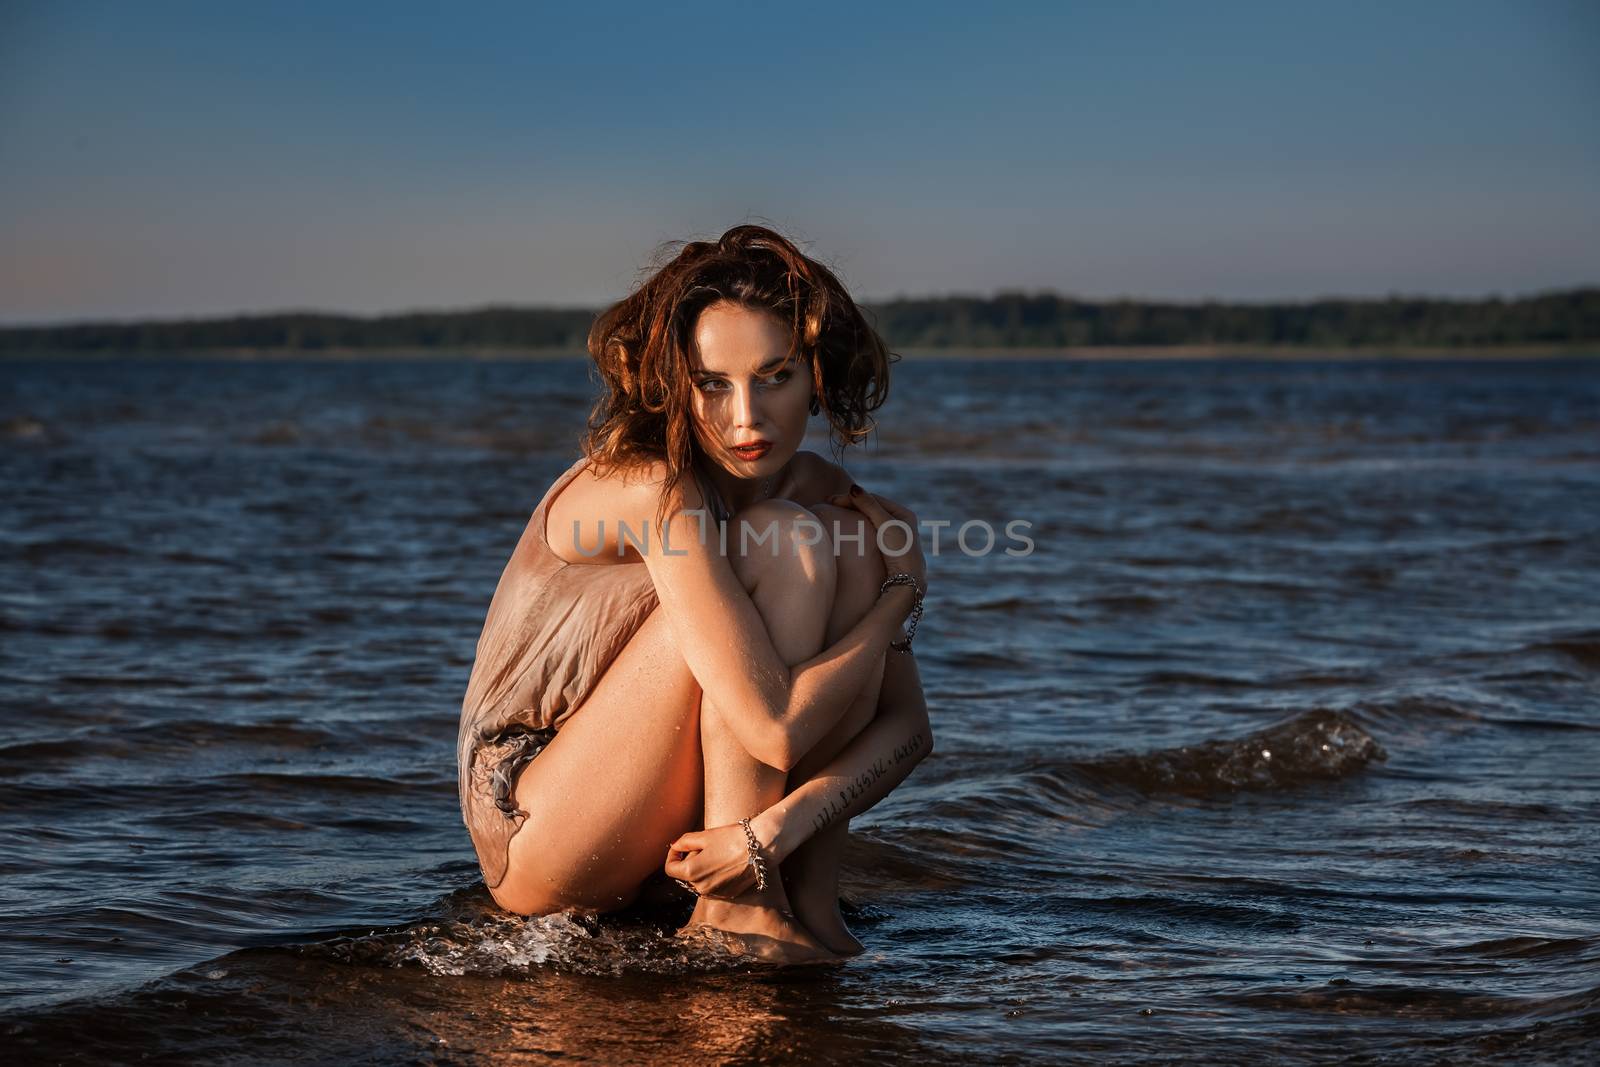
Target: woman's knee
[
  {"x": 547, "y": 899},
  {"x": 858, "y": 565},
  {"x": 557, "y": 864},
  {"x": 852, "y": 541},
  {"x": 780, "y": 537},
  {"x": 523, "y": 896}
]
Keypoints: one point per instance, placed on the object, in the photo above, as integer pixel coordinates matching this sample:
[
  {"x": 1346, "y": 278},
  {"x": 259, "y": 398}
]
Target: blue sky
[{"x": 169, "y": 158}]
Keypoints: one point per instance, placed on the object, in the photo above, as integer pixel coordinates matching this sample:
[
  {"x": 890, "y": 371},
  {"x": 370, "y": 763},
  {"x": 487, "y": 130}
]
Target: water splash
[{"x": 497, "y": 944}]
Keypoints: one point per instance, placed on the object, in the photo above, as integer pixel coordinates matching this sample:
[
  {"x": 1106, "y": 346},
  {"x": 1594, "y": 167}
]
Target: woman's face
[{"x": 740, "y": 393}]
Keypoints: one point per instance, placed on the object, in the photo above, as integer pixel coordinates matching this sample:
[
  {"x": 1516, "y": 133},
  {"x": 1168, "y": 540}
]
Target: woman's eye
[
  {"x": 779, "y": 378},
  {"x": 709, "y": 385}
]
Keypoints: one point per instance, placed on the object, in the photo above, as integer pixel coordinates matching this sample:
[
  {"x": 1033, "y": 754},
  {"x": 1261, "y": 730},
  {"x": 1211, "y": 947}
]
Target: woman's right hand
[
  {"x": 879, "y": 511},
  {"x": 713, "y": 862}
]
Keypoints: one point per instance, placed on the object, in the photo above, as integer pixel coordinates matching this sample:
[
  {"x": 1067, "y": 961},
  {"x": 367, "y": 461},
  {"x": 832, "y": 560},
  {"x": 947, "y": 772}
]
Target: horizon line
[{"x": 997, "y": 294}]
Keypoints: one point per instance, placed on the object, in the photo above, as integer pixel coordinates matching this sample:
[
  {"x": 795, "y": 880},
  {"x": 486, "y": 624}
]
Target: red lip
[{"x": 753, "y": 449}]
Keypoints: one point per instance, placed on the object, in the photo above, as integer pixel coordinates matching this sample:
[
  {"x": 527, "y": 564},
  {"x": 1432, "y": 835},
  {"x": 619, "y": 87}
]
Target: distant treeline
[
  {"x": 1008, "y": 320},
  {"x": 1018, "y": 320}
]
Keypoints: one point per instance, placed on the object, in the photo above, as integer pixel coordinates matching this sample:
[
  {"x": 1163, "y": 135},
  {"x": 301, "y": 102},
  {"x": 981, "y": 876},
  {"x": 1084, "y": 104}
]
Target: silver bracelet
[
  {"x": 756, "y": 859},
  {"x": 904, "y": 644}
]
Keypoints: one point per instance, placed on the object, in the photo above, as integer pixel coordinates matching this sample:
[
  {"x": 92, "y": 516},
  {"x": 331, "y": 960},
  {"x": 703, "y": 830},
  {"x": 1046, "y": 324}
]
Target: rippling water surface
[{"x": 1282, "y": 743}]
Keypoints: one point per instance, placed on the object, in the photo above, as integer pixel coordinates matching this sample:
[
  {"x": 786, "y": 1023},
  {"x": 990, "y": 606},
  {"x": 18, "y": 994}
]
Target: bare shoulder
[
  {"x": 635, "y": 488},
  {"x": 636, "y": 478},
  {"x": 817, "y": 477},
  {"x": 598, "y": 505}
]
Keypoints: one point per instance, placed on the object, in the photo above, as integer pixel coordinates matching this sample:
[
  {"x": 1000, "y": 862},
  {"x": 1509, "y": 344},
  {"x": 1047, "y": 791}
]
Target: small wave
[
  {"x": 985, "y": 661},
  {"x": 287, "y": 733},
  {"x": 46, "y": 551},
  {"x": 1006, "y": 605},
  {"x": 1526, "y": 947},
  {"x": 23, "y": 755},
  {"x": 1171, "y": 910},
  {"x": 1152, "y": 562},
  {"x": 1416, "y": 710},
  {"x": 1370, "y": 575},
  {"x": 1581, "y": 648},
  {"x": 375, "y": 825},
  {"x": 1541, "y": 724},
  {"x": 124, "y": 681},
  {"x": 1351, "y": 998},
  {"x": 266, "y": 782},
  {"x": 1134, "y": 603},
  {"x": 140, "y": 628},
  {"x": 1491, "y": 812},
  {"x": 118, "y": 740},
  {"x": 1296, "y": 520},
  {"x": 227, "y": 819},
  {"x": 1557, "y": 677},
  {"x": 277, "y": 433},
  {"x": 24, "y": 428},
  {"x": 532, "y": 438},
  {"x": 202, "y": 559},
  {"x": 1196, "y": 680},
  {"x": 1314, "y": 679},
  {"x": 1316, "y": 745},
  {"x": 336, "y": 613}
]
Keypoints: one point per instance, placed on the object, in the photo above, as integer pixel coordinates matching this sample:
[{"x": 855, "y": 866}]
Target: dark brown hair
[{"x": 642, "y": 346}]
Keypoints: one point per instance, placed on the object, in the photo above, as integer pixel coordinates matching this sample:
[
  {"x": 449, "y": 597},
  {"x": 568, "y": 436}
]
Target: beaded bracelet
[
  {"x": 756, "y": 859},
  {"x": 904, "y": 645}
]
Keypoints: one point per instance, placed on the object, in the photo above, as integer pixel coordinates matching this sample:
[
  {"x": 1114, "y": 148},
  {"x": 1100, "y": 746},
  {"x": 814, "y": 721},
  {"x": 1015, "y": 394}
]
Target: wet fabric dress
[{"x": 552, "y": 631}]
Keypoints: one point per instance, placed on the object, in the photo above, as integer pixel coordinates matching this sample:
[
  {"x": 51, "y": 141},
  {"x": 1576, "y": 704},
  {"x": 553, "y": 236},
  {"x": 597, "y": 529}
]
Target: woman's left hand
[{"x": 716, "y": 862}]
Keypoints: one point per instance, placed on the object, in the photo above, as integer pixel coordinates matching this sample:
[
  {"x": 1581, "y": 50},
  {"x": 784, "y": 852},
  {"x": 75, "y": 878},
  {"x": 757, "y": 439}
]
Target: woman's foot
[
  {"x": 819, "y": 913},
  {"x": 758, "y": 931}
]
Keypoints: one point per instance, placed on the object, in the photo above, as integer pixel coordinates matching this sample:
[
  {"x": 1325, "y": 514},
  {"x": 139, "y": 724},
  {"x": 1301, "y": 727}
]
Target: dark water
[{"x": 1284, "y": 743}]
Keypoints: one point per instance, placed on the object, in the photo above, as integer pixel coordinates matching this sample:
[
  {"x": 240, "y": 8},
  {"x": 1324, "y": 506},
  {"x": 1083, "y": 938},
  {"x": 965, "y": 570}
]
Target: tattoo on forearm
[{"x": 841, "y": 801}]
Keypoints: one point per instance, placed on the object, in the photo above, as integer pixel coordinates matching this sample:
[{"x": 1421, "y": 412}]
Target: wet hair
[{"x": 643, "y": 346}]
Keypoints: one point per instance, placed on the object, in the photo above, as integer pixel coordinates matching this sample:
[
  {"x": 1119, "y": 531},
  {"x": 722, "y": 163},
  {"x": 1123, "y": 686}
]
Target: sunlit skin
[
  {"x": 761, "y": 687},
  {"x": 744, "y": 391}
]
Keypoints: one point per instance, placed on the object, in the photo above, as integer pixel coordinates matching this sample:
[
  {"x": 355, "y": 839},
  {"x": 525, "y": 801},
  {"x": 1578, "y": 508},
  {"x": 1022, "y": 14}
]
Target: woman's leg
[
  {"x": 811, "y": 874},
  {"x": 626, "y": 774},
  {"x": 618, "y": 782},
  {"x": 808, "y": 603},
  {"x": 792, "y": 586}
]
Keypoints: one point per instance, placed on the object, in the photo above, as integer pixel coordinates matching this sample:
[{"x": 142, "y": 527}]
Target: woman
[{"x": 695, "y": 627}]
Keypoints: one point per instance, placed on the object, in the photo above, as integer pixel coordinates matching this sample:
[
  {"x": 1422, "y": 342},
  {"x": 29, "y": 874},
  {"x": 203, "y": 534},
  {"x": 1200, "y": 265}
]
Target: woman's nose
[{"x": 745, "y": 410}]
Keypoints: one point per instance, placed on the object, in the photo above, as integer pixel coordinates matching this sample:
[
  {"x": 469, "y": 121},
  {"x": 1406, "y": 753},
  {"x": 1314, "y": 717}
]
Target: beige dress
[{"x": 553, "y": 629}]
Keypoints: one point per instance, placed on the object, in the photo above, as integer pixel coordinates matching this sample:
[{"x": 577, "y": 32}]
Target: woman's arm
[
  {"x": 874, "y": 762},
  {"x": 725, "y": 643}
]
